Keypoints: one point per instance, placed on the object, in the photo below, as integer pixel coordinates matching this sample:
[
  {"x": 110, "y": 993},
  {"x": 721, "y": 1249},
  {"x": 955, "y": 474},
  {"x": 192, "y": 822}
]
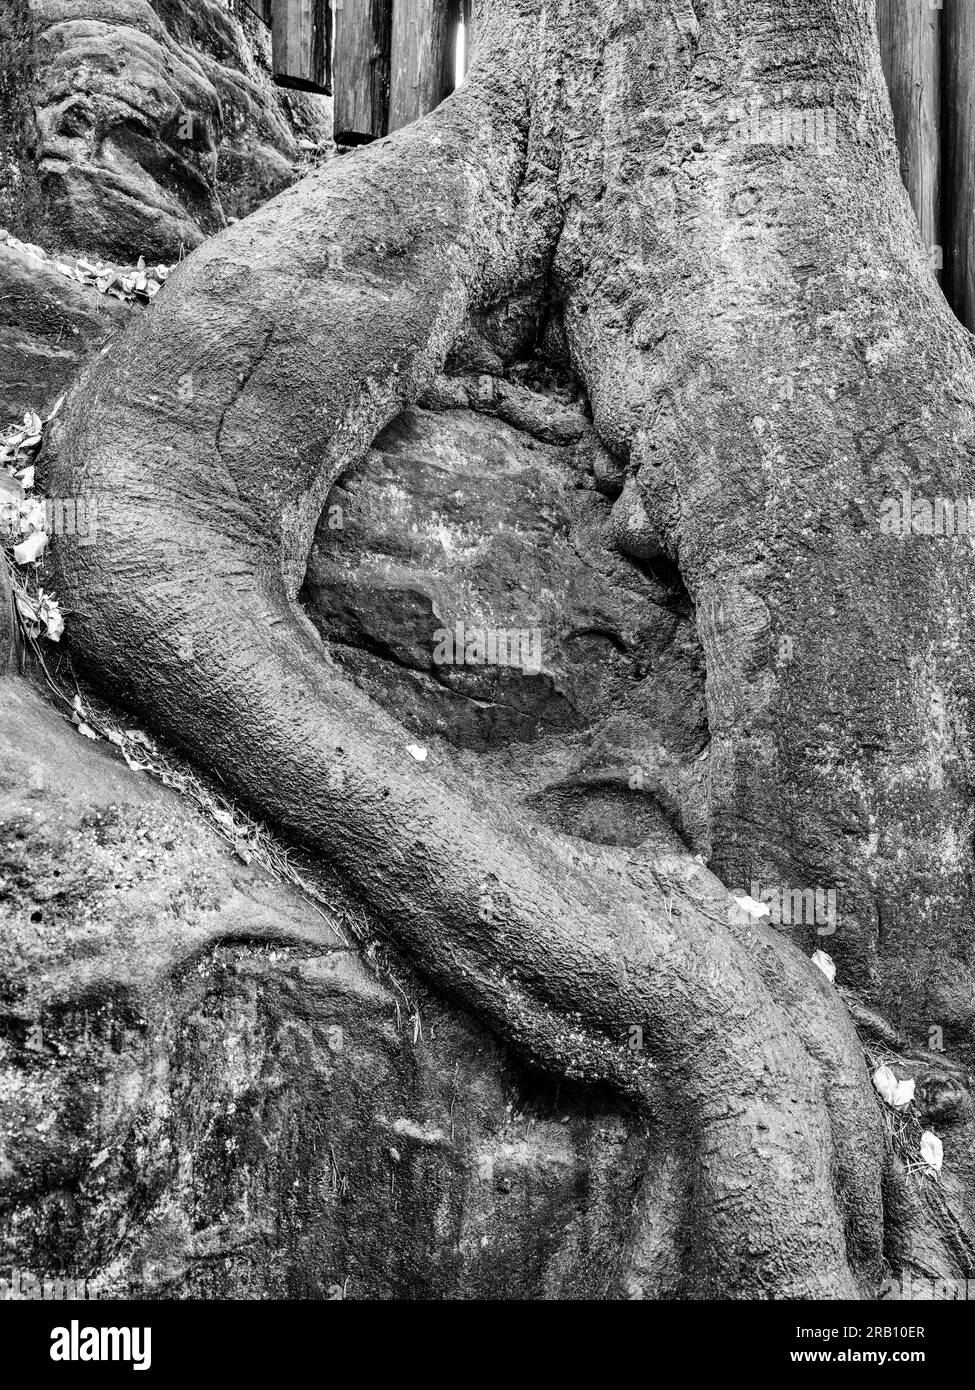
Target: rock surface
[
  {"x": 461, "y": 531},
  {"x": 204, "y": 1092},
  {"x": 134, "y": 128},
  {"x": 48, "y": 327}
]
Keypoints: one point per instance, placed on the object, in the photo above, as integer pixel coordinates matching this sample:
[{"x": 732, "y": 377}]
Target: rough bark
[
  {"x": 752, "y": 275},
  {"x": 202, "y": 1087}
]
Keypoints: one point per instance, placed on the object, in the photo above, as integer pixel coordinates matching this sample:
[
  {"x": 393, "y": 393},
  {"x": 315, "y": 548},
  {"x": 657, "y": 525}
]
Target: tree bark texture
[{"x": 767, "y": 359}]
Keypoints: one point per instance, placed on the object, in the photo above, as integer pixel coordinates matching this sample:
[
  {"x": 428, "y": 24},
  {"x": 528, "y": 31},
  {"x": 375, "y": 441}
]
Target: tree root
[{"x": 208, "y": 437}]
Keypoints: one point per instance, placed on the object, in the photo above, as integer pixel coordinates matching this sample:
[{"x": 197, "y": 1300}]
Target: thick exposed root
[{"x": 208, "y": 438}]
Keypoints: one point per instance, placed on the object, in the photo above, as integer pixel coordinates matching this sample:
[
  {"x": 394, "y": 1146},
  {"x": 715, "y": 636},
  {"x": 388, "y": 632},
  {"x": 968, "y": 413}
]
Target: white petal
[
  {"x": 30, "y": 549},
  {"x": 753, "y": 907},
  {"x": 932, "y": 1150},
  {"x": 828, "y": 966},
  {"x": 27, "y": 609},
  {"x": 903, "y": 1094},
  {"x": 885, "y": 1084}
]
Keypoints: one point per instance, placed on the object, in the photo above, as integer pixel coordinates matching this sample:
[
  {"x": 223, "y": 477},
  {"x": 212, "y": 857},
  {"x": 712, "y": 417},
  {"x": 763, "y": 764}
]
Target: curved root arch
[{"x": 208, "y": 438}]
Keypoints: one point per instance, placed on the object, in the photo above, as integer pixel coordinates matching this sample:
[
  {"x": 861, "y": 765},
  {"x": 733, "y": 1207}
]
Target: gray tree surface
[{"x": 766, "y": 360}]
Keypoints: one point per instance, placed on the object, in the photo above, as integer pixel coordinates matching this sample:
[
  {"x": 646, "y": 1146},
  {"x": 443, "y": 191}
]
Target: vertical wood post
[
  {"x": 262, "y": 8},
  {"x": 467, "y": 14},
  {"x": 424, "y": 34},
  {"x": 959, "y": 168},
  {"x": 910, "y": 49},
  {"x": 363, "y": 46},
  {"x": 301, "y": 44}
]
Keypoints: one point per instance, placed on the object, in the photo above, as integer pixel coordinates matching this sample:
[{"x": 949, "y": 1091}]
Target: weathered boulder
[
  {"x": 465, "y": 573},
  {"x": 205, "y": 1092},
  {"x": 48, "y": 327},
  {"x": 126, "y": 128},
  {"x": 135, "y": 128}
]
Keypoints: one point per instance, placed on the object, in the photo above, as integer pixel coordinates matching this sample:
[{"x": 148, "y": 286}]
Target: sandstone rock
[
  {"x": 139, "y": 129},
  {"x": 204, "y": 1092},
  {"x": 458, "y": 522},
  {"x": 48, "y": 327}
]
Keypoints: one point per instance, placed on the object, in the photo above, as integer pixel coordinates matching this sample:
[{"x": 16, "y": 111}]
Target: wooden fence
[
  {"x": 388, "y": 62},
  {"x": 385, "y": 62},
  {"x": 928, "y": 53}
]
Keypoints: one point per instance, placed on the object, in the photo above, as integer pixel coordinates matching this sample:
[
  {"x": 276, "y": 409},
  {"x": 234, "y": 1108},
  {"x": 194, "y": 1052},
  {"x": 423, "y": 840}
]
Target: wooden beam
[
  {"x": 363, "y": 45},
  {"x": 394, "y": 60},
  {"x": 262, "y": 8},
  {"x": 301, "y": 44},
  {"x": 959, "y": 165},
  {"x": 910, "y": 50},
  {"x": 424, "y": 32},
  {"x": 467, "y": 14}
]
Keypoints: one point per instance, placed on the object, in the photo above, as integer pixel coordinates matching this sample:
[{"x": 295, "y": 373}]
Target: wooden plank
[
  {"x": 959, "y": 157},
  {"x": 262, "y": 8},
  {"x": 454, "y": 71},
  {"x": 422, "y": 58},
  {"x": 910, "y": 49},
  {"x": 467, "y": 13},
  {"x": 301, "y": 44},
  {"x": 363, "y": 39}
]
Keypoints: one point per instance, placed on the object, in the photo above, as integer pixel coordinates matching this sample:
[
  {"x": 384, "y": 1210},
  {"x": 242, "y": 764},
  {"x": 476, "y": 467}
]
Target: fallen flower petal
[
  {"x": 885, "y": 1083},
  {"x": 31, "y": 549},
  {"x": 904, "y": 1094},
  {"x": 827, "y": 965},
  {"x": 26, "y": 609},
  {"x": 897, "y": 1094},
  {"x": 753, "y": 907},
  {"x": 932, "y": 1150}
]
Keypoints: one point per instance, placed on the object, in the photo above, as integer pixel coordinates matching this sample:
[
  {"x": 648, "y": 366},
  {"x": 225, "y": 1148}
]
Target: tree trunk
[{"x": 758, "y": 346}]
